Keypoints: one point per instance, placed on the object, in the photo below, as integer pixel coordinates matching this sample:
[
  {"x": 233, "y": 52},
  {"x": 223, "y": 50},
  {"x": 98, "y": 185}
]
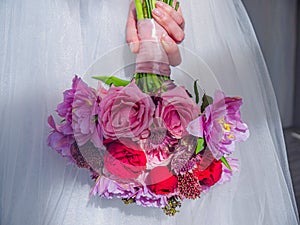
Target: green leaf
[
  {"x": 206, "y": 101},
  {"x": 200, "y": 145},
  {"x": 112, "y": 80},
  {"x": 196, "y": 91},
  {"x": 225, "y": 162}
]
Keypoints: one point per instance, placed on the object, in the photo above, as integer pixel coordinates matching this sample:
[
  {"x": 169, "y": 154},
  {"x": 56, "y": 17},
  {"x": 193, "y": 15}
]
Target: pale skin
[{"x": 170, "y": 19}]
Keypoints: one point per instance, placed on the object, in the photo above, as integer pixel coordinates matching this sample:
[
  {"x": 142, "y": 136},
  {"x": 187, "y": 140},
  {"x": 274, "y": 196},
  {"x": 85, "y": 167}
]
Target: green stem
[
  {"x": 157, "y": 82},
  {"x": 139, "y": 9},
  {"x": 149, "y": 83},
  {"x": 145, "y": 9},
  {"x": 177, "y": 6},
  {"x": 153, "y": 4},
  {"x": 148, "y": 5}
]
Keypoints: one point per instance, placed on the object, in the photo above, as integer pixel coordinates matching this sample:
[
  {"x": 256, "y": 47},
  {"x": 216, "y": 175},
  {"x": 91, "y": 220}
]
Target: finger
[
  {"x": 131, "y": 30},
  {"x": 171, "y": 49},
  {"x": 169, "y": 24},
  {"x": 176, "y": 15}
]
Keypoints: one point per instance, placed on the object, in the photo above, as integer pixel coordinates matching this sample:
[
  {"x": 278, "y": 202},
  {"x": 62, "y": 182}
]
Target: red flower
[
  {"x": 211, "y": 175},
  {"x": 125, "y": 160},
  {"x": 161, "y": 181}
]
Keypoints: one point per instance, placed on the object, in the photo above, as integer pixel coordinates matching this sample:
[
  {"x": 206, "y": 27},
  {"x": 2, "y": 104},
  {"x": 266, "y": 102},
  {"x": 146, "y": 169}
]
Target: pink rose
[
  {"x": 177, "y": 110},
  {"x": 126, "y": 112}
]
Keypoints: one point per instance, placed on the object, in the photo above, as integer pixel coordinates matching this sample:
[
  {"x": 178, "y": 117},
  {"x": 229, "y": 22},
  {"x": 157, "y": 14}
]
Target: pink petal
[{"x": 196, "y": 127}]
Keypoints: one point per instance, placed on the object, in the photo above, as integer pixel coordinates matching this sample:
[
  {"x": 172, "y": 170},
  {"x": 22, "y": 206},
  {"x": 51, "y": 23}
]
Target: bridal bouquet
[{"x": 148, "y": 141}]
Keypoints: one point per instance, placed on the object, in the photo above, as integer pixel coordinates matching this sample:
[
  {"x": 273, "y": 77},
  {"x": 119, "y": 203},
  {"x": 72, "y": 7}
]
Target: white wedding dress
[{"x": 44, "y": 43}]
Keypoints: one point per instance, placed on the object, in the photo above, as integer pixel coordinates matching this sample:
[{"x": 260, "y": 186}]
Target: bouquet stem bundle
[
  {"x": 149, "y": 82},
  {"x": 144, "y": 7}
]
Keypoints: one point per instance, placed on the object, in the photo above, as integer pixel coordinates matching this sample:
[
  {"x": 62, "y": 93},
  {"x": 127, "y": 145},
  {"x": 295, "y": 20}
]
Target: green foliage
[
  {"x": 109, "y": 80},
  {"x": 225, "y": 162},
  {"x": 196, "y": 92},
  {"x": 206, "y": 101},
  {"x": 200, "y": 145}
]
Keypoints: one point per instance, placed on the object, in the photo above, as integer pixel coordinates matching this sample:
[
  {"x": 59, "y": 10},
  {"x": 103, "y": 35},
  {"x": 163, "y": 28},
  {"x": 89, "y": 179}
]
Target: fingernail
[
  {"x": 159, "y": 3},
  {"x": 157, "y": 12}
]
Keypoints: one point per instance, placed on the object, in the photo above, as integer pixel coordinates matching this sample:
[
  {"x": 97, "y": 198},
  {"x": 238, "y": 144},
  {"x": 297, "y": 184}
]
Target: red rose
[
  {"x": 161, "y": 181},
  {"x": 211, "y": 175},
  {"x": 125, "y": 160}
]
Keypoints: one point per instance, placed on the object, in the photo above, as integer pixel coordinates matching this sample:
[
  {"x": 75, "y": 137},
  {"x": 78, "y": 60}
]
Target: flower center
[
  {"x": 227, "y": 129},
  {"x": 227, "y": 126}
]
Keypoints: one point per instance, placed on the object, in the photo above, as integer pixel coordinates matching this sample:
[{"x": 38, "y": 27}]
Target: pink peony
[
  {"x": 127, "y": 112},
  {"x": 85, "y": 120},
  {"x": 177, "y": 110},
  {"x": 221, "y": 125}
]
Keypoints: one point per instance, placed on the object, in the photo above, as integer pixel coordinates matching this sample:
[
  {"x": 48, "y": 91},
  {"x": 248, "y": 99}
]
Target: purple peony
[
  {"x": 64, "y": 109},
  {"x": 177, "y": 110},
  {"x": 127, "y": 112},
  {"x": 227, "y": 173},
  {"x": 85, "y": 115},
  {"x": 107, "y": 188},
  {"x": 61, "y": 139},
  {"x": 221, "y": 125},
  {"x": 146, "y": 198}
]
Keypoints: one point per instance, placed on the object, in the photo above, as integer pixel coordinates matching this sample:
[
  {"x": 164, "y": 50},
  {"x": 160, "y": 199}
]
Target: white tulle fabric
[{"x": 44, "y": 43}]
